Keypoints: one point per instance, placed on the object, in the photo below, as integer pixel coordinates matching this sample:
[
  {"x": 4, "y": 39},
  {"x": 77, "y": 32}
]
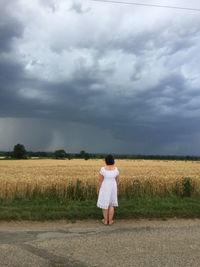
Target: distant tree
[
  {"x": 19, "y": 152},
  {"x": 84, "y": 155},
  {"x": 69, "y": 156},
  {"x": 60, "y": 154},
  {"x": 87, "y": 156}
]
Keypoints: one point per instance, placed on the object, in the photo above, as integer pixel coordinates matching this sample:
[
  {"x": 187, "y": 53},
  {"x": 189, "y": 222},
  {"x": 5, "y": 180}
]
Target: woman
[{"x": 107, "y": 189}]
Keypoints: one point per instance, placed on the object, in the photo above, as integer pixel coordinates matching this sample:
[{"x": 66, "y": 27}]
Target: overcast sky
[{"x": 100, "y": 77}]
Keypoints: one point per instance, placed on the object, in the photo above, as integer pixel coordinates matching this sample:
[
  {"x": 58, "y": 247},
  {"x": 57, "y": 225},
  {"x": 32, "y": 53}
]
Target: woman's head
[{"x": 109, "y": 159}]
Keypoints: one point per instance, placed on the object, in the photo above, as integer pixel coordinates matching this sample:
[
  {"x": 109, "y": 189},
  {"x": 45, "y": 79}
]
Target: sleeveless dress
[{"x": 108, "y": 190}]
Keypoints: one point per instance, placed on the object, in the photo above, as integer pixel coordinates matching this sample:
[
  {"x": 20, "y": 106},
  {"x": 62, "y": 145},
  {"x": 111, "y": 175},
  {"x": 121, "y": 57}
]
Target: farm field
[{"x": 77, "y": 178}]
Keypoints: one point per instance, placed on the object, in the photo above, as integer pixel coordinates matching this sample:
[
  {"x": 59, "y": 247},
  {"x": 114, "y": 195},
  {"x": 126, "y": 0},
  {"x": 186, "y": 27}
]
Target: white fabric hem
[{"x": 106, "y": 206}]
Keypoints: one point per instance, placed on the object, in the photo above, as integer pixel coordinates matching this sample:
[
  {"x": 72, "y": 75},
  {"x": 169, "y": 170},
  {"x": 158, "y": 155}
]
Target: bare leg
[
  {"x": 105, "y": 215},
  {"x": 111, "y": 213}
]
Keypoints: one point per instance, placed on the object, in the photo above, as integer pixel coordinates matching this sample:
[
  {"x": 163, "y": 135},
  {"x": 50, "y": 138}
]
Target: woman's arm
[
  {"x": 99, "y": 182},
  {"x": 117, "y": 180}
]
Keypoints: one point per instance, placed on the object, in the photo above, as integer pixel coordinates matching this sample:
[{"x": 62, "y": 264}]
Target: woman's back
[{"x": 109, "y": 175}]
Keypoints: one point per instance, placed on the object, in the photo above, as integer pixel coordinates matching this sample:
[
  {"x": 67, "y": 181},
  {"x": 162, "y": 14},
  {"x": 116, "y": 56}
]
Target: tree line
[{"x": 19, "y": 152}]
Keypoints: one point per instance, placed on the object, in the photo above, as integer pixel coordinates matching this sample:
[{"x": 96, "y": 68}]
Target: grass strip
[{"x": 141, "y": 207}]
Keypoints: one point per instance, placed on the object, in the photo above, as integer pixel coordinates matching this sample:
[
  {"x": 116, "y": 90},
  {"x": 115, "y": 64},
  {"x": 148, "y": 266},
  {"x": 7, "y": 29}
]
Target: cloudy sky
[{"x": 100, "y": 77}]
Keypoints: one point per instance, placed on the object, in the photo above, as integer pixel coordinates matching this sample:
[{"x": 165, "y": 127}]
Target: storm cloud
[{"x": 100, "y": 77}]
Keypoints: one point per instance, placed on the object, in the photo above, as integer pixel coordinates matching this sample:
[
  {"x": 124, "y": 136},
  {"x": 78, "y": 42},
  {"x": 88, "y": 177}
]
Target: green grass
[{"x": 141, "y": 207}]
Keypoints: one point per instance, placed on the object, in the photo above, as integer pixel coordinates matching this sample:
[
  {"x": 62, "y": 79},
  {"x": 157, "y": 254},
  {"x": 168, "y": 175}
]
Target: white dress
[{"x": 108, "y": 190}]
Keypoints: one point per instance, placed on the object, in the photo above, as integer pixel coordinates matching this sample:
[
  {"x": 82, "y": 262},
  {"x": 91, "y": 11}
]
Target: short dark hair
[{"x": 109, "y": 159}]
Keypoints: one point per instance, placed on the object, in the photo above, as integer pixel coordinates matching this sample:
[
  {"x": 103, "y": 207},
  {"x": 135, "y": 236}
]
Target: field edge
[{"x": 141, "y": 207}]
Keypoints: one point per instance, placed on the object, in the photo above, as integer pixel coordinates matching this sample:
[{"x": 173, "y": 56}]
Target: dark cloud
[
  {"x": 10, "y": 26},
  {"x": 106, "y": 89}
]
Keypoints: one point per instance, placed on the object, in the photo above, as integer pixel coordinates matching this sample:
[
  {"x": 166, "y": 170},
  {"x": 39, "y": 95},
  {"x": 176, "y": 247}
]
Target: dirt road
[{"x": 126, "y": 243}]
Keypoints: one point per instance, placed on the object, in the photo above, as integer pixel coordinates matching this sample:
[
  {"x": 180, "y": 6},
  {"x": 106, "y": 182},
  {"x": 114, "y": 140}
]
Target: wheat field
[{"x": 78, "y": 179}]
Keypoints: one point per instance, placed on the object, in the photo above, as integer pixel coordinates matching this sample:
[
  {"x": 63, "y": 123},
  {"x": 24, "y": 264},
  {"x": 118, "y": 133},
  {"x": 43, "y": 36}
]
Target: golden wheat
[{"x": 21, "y": 177}]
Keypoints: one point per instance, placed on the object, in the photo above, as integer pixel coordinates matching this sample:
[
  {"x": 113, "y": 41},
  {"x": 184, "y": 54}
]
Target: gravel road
[{"x": 89, "y": 243}]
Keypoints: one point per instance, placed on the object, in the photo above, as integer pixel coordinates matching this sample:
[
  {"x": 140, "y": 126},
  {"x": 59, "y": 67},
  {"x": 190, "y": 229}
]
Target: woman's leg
[
  {"x": 110, "y": 214},
  {"x": 105, "y": 215}
]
